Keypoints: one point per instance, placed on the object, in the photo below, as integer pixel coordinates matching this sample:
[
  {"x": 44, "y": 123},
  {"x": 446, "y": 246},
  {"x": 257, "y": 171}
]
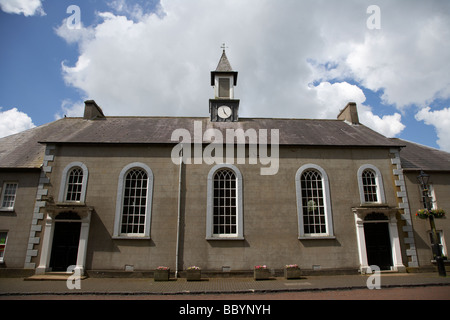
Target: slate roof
[
  {"x": 26, "y": 149},
  {"x": 415, "y": 156},
  {"x": 224, "y": 65}
]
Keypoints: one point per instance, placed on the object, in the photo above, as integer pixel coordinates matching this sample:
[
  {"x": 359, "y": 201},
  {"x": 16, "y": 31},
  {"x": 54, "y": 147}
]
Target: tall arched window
[
  {"x": 133, "y": 205},
  {"x": 370, "y": 184},
  {"x": 73, "y": 183},
  {"x": 313, "y": 202},
  {"x": 224, "y": 216},
  {"x": 225, "y": 207}
]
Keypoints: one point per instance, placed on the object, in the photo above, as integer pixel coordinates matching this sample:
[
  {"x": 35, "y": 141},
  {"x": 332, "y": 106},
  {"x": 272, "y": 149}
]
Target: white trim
[
  {"x": 379, "y": 181},
  {"x": 397, "y": 263},
  {"x": 47, "y": 242},
  {"x": 63, "y": 186},
  {"x": 210, "y": 205},
  {"x": 3, "y": 190},
  {"x": 119, "y": 202},
  {"x": 327, "y": 203}
]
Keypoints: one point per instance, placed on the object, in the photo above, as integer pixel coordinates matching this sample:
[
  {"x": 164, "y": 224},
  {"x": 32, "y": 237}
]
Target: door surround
[
  {"x": 84, "y": 213},
  {"x": 360, "y": 214}
]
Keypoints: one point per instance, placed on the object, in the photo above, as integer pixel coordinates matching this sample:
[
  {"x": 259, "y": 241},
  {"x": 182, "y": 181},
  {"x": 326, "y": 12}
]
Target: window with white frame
[
  {"x": 313, "y": 202},
  {"x": 74, "y": 183},
  {"x": 133, "y": 205},
  {"x": 9, "y": 195},
  {"x": 3, "y": 240},
  {"x": 370, "y": 184},
  {"x": 370, "y": 188},
  {"x": 224, "y": 207}
]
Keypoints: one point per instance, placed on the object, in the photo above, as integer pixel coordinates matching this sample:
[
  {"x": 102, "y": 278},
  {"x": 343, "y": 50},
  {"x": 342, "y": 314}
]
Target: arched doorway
[
  {"x": 66, "y": 238},
  {"x": 377, "y": 238},
  {"x": 378, "y": 241}
]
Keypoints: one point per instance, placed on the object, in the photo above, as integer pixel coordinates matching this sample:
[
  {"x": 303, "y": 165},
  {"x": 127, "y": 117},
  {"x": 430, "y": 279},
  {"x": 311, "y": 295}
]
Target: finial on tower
[{"x": 224, "y": 47}]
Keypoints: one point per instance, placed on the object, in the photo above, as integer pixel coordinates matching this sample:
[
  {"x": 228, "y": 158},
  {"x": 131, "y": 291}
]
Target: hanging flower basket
[{"x": 425, "y": 214}]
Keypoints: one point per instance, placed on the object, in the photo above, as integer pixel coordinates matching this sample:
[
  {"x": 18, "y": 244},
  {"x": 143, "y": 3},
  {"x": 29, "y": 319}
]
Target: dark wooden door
[
  {"x": 378, "y": 245},
  {"x": 66, "y": 238}
]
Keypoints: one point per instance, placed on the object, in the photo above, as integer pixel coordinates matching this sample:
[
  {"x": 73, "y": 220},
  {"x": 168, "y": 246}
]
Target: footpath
[{"x": 62, "y": 285}]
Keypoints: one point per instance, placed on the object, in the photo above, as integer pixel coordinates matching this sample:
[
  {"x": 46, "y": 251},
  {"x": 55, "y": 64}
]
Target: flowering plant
[
  {"x": 193, "y": 268},
  {"x": 261, "y": 267},
  {"x": 162, "y": 268},
  {"x": 424, "y": 213},
  {"x": 292, "y": 266}
]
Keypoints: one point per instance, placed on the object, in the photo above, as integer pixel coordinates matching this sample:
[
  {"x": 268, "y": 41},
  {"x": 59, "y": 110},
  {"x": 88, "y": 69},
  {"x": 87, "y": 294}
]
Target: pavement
[{"x": 61, "y": 285}]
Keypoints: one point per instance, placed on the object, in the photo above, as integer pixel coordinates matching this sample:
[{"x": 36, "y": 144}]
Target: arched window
[
  {"x": 370, "y": 184},
  {"x": 224, "y": 216},
  {"x": 73, "y": 183},
  {"x": 313, "y": 202},
  {"x": 370, "y": 188},
  {"x": 133, "y": 205}
]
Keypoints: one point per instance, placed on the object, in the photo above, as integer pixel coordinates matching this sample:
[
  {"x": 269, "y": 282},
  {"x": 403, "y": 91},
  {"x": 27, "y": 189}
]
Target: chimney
[
  {"x": 92, "y": 111},
  {"x": 349, "y": 113}
]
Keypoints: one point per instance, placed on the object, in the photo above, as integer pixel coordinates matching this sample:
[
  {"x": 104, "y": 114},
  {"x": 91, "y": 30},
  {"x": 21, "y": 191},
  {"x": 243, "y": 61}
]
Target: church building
[{"x": 224, "y": 193}]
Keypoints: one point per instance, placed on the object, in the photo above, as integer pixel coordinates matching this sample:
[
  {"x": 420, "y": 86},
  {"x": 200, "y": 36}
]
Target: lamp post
[{"x": 423, "y": 179}]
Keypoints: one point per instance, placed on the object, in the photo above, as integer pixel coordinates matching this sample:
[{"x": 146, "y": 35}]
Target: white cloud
[
  {"x": 440, "y": 119},
  {"x": 13, "y": 121},
  {"x": 287, "y": 53},
  {"x": 25, "y": 7},
  {"x": 335, "y": 96}
]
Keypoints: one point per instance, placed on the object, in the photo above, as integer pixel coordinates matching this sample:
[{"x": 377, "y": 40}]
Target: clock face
[{"x": 224, "y": 112}]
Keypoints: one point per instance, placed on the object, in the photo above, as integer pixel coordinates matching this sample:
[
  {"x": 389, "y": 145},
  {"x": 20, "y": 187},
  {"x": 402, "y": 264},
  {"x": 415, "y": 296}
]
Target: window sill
[
  {"x": 317, "y": 238},
  {"x": 226, "y": 239},
  {"x": 6, "y": 209},
  {"x": 131, "y": 238}
]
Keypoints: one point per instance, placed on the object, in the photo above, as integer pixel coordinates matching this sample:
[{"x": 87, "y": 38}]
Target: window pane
[
  {"x": 224, "y": 213},
  {"x": 74, "y": 184},
  {"x": 369, "y": 186},
  {"x": 314, "y": 221},
  {"x": 134, "y": 202},
  {"x": 9, "y": 195}
]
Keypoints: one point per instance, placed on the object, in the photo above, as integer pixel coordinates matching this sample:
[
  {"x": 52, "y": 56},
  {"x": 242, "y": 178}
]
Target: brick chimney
[
  {"x": 349, "y": 113},
  {"x": 92, "y": 111}
]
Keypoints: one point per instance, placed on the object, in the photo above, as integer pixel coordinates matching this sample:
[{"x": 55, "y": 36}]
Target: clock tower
[{"x": 224, "y": 108}]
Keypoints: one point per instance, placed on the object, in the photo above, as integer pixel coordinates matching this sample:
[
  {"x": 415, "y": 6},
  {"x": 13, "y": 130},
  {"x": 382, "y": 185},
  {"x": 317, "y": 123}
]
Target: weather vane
[{"x": 224, "y": 47}]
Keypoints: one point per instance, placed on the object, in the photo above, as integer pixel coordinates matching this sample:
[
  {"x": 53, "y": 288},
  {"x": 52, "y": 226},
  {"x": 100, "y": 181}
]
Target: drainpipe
[{"x": 179, "y": 214}]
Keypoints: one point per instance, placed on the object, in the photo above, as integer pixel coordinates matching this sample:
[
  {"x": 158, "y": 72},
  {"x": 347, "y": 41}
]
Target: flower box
[
  {"x": 261, "y": 273},
  {"x": 292, "y": 272},
  {"x": 161, "y": 274},
  {"x": 193, "y": 274}
]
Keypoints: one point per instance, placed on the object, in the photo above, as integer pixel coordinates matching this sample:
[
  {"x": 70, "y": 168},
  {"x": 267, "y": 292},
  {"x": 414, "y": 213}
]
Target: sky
[{"x": 296, "y": 59}]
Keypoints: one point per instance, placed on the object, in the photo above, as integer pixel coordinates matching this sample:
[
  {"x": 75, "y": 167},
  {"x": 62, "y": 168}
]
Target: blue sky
[{"x": 296, "y": 59}]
